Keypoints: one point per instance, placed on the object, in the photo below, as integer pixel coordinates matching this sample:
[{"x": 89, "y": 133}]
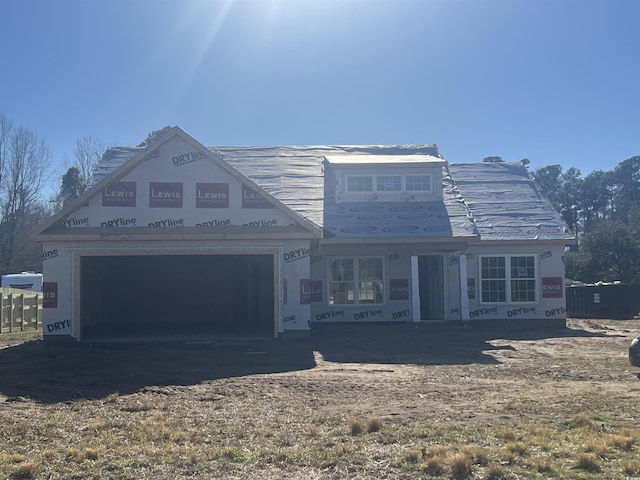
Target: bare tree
[
  {"x": 24, "y": 163},
  {"x": 6, "y": 129},
  {"x": 87, "y": 154}
]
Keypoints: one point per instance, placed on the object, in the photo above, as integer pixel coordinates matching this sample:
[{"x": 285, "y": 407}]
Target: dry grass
[
  {"x": 435, "y": 466},
  {"x": 374, "y": 424},
  {"x": 460, "y": 465},
  {"x": 339, "y": 421},
  {"x": 112, "y": 397},
  {"x": 587, "y": 462},
  {"x": 496, "y": 471},
  {"x": 541, "y": 465},
  {"x": 83, "y": 454},
  {"x": 597, "y": 446},
  {"x": 181, "y": 445},
  {"x": 517, "y": 448},
  {"x": 412, "y": 456},
  {"x": 356, "y": 426},
  {"x": 507, "y": 433},
  {"x": 582, "y": 421},
  {"x": 437, "y": 451},
  {"x": 631, "y": 467},
  {"x": 622, "y": 442},
  {"x": 24, "y": 471},
  {"x": 8, "y": 458}
]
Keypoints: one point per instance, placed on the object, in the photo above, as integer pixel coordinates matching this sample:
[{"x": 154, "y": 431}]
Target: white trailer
[{"x": 23, "y": 281}]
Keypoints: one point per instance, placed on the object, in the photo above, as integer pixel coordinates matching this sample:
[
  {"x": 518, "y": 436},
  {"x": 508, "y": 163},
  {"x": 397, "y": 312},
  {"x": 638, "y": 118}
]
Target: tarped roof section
[
  {"x": 111, "y": 159},
  {"x": 446, "y": 218},
  {"x": 498, "y": 201},
  {"x": 293, "y": 175},
  {"x": 397, "y": 220},
  {"x": 505, "y": 203}
]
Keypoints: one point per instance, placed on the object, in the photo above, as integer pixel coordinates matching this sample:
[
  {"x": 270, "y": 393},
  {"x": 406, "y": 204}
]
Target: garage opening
[{"x": 177, "y": 295}]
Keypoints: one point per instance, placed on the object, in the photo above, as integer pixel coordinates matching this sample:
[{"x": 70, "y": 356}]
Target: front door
[{"x": 431, "y": 287}]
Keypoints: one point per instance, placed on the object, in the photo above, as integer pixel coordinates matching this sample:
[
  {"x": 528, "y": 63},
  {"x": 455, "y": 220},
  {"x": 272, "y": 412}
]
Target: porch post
[
  {"x": 415, "y": 289},
  {"x": 464, "y": 295}
]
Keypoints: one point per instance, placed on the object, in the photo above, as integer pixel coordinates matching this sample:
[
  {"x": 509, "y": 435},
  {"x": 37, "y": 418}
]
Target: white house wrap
[{"x": 179, "y": 238}]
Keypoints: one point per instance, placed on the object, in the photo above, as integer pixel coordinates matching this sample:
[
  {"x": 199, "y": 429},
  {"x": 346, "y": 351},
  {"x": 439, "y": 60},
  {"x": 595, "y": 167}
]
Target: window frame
[
  {"x": 377, "y": 179},
  {"x": 351, "y": 178},
  {"x": 356, "y": 282},
  {"x": 509, "y": 279},
  {"x": 396, "y": 183},
  {"x": 430, "y": 183}
]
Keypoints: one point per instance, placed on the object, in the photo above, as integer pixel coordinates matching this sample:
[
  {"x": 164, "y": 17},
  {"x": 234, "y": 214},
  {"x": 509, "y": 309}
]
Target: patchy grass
[
  {"x": 374, "y": 424},
  {"x": 540, "y": 416},
  {"x": 24, "y": 471},
  {"x": 206, "y": 444},
  {"x": 460, "y": 465},
  {"x": 587, "y": 462},
  {"x": 19, "y": 336},
  {"x": 356, "y": 426},
  {"x": 496, "y": 471},
  {"x": 82, "y": 454}
]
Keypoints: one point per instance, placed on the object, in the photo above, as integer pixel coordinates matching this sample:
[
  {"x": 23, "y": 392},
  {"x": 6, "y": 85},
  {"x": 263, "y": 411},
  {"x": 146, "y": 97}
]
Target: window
[
  {"x": 508, "y": 279},
  {"x": 359, "y": 184},
  {"x": 418, "y": 183},
  {"x": 386, "y": 186},
  {"x": 523, "y": 279},
  {"x": 389, "y": 183},
  {"x": 354, "y": 281},
  {"x": 493, "y": 279}
]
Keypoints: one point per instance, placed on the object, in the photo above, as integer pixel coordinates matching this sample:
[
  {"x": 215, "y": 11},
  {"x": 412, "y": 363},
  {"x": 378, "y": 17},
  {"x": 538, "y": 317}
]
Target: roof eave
[
  {"x": 525, "y": 241},
  {"x": 53, "y": 238},
  {"x": 457, "y": 241}
]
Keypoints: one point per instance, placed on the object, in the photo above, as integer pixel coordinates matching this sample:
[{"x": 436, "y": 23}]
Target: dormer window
[
  {"x": 386, "y": 178},
  {"x": 388, "y": 183},
  {"x": 359, "y": 184},
  {"x": 369, "y": 187},
  {"x": 418, "y": 183}
]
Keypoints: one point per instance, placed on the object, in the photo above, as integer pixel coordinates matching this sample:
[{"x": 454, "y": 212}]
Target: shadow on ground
[
  {"x": 59, "y": 373},
  {"x": 424, "y": 344}
]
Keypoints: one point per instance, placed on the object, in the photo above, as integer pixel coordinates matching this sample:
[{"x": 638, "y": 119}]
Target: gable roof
[
  {"x": 292, "y": 174},
  {"x": 118, "y": 162}
]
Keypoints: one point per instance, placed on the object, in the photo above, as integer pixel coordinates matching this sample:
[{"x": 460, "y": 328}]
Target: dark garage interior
[{"x": 182, "y": 295}]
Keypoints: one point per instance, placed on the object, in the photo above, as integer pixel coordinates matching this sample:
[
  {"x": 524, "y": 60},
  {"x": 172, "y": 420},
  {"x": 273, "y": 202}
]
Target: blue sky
[{"x": 554, "y": 81}]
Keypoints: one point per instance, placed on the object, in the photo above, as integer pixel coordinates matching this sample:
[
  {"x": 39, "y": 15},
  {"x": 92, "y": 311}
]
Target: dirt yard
[{"x": 340, "y": 404}]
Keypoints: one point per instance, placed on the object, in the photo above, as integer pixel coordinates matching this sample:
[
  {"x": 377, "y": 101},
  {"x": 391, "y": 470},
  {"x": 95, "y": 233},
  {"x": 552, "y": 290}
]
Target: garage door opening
[{"x": 177, "y": 295}]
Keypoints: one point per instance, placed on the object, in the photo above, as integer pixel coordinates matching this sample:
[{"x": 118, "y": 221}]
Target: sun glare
[{"x": 209, "y": 17}]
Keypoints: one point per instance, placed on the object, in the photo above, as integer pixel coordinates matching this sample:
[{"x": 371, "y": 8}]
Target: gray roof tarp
[{"x": 497, "y": 201}]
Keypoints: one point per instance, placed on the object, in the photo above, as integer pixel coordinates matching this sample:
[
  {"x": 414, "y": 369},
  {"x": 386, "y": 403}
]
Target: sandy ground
[{"x": 431, "y": 373}]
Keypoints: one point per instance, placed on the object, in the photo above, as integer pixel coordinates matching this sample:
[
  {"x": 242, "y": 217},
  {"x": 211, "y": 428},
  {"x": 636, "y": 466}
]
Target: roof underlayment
[
  {"x": 506, "y": 204},
  {"x": 497, "y": 201}
]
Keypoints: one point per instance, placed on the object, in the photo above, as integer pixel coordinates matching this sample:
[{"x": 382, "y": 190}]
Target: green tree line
[{"x": 603, "y": 210}]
